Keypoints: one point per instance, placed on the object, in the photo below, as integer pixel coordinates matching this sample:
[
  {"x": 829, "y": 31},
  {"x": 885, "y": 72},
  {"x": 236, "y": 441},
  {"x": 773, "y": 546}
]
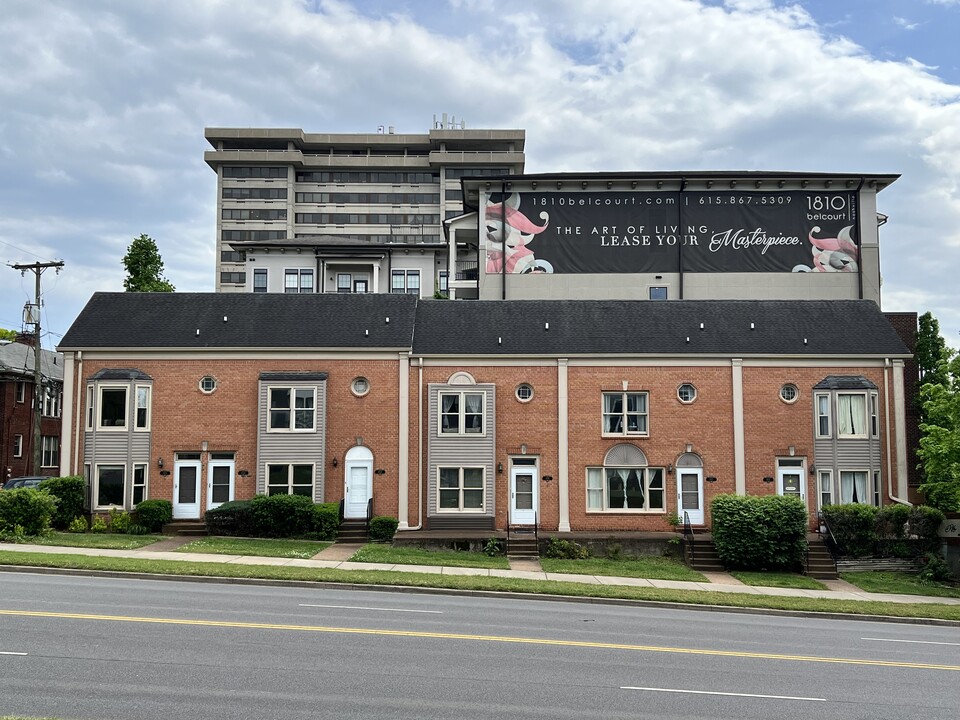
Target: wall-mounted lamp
[
  {"x": 768, "y": 479},
  {"x": 160, "y": 462},
  {"x": 670, "y": 468},
  {"x": 499, "y": 467},
  {"x": 711, "y": 478},
  {"x": 379, "y": 471},
  {"x": 813, "y": 469},
  {"x": 244, "y": 473},
  {"x": 334, "y": 462}
]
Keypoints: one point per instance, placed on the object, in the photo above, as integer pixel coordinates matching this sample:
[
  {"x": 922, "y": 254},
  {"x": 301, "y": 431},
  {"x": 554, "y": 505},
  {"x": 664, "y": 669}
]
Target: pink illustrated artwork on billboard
[
  {"x": 508, "y": 233},
  {"x": 837, "y": 254}
]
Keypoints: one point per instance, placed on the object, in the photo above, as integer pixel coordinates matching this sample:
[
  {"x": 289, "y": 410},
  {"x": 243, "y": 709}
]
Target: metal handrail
[
  {"x": 369, "y": 514},
  {"x": 340, "y": 513},
  {"x": 536, "y": 532},
  {"x": 831, "y": 541},
  {"x": 688, "y": 534}
]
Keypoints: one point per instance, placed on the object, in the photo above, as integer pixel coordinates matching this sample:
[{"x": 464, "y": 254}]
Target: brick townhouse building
[{"x": 577, "y": 415}]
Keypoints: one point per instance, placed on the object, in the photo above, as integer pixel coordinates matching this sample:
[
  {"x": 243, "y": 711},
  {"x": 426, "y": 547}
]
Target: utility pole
[{"x": 37, "y": 269}]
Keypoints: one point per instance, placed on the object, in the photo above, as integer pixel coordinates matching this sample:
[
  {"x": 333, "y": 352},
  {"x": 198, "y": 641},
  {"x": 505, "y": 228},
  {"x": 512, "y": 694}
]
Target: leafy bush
[
  {"x": 925, "y": 522},
  {"x": 854, "y": 527},
  {"x": 27, "y": 508},
  {"x": 153, "y": 514},
  {"x": 135, "y": 529},
  {"x": 383, "y": 528},
  {"x": 566, "y": 550},
  {"x": 935, "y": 569},
  {"x": 890, "y": 526},
  {"x": 78, "y": 525},
  {"x": 71, "y": 493},
  {"x": 944, "y": 496},
  {"x": 99, "y": 525},
  {"x": 281, "y": 516},
  {"x": 326, "y": 521},
  {"x": 232, "y": 518},
  {"x": 760, "y": 532},
  {"x": 120, "y": 521},
  {"x": 493, "y": 547}
]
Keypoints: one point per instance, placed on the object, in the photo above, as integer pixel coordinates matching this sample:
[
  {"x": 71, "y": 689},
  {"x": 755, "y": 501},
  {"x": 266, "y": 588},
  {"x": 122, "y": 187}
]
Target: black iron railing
[
  {"x": 369, "y": 514},
  {"x": 340, "y": 514},
  {"x": 466, "y": 270},
  {"x": 688, "y": 535}
]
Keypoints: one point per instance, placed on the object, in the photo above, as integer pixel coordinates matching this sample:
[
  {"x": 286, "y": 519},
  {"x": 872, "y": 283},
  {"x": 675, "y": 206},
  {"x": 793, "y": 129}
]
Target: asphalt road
[{"x": 79, "y": 647}]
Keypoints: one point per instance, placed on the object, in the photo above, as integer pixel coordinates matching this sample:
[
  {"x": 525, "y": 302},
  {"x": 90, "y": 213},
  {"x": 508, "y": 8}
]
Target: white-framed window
[
  {"x": 460, "y": 489},
  {"x": 874, "y": 416},
  {"x": 405, "y": 281},
  {"x": 825, "y": 478},
  {"x": 625, "y": 489},
  {"x": 851, "y": 415},
  {"x": 142, "y": 420},
  {"x": 854, "y": 487},
  {"x": 50, "y": 456},
  {"x": 110, "y": 490},
  {"x": 360, "y": 386},
  {"x": 876, "y": 488},
  {"x": 686, "y": 393},
  {"x": 443, "y": 282},
  {"x": 139, "y": 483},
  {"x": 298, "y": 280},
  {"x": 822, "y": 402},
  {"x": 18, "y": 446},
  {"x": 789, "y": 393},
  {"x": 208, "y": 384},
  {"x": 52, "y": 399},
  {"x": 292, "y": 409},
  {"x": 113, "y": 408},
  {"x": 290, "y": 479},
  {"x": 260, "y": 277},
  {"x": 461, "y": 413},
  {"x": 21, "y": 392},
  {"x": 524, "y": 392},
  {"x": 625, "y": 413},
  {"x": 89, "y": 407},
  {"x": 344, "y": 283}
]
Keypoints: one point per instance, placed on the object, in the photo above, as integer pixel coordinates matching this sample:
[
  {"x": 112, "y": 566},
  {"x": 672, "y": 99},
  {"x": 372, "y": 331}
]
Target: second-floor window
[
  {"x": 298, "y": 280},
  {"x": 51, "y": 451},
  {"x": 143, "y": 408},
  {"x": 405, "y": 281},
  {"x": 260, "y": 280},
  {"x": 851, "y": 415},
  {"x": 461, "y": 413},
  {"x": 625, "y": 413},
  {"x": 292, "y": 409},
  {"x": 113, "y": 408},
  {"x": 52, "y": 398},
  {"x": 18, "y": 446},
  {"x": 21, "y": 391}
]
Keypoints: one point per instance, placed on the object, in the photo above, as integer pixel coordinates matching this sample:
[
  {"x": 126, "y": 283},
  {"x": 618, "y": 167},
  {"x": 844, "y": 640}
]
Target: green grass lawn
[
  {"x": 778, "y": 579},
  {"x": 900, "y": 583},
  {"x": 262, "y": 547},
  {"x": 96, "y": 540},
  {"x": 477, "y": 583},
  {"x": 378, "y": 553},
  {"x": 651, "y": 568}
]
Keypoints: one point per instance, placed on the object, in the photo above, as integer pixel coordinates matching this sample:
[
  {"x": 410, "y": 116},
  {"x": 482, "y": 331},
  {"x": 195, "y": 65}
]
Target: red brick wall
[{"x": 17, "y": 419}]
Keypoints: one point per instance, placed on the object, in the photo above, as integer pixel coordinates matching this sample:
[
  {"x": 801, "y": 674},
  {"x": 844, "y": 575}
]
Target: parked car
[{"x": 27, "y": 481}]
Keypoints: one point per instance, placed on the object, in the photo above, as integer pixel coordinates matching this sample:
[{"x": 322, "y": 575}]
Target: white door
[
  {"x": 790, "y": 481},
  {"x": 523, "y": 495},
  {"x": 219, "y": 483},
  {"x": 186, "y": 489},
  {"x": 690, "y": 495},
  {"x": 357, "y": 491}
]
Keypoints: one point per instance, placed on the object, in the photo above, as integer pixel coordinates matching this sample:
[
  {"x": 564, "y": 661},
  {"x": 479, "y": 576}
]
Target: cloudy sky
[{"x": 103, "y": 106}]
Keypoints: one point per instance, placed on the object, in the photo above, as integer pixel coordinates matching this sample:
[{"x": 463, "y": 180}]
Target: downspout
[
  {"x": 419, "y": 525},
  {"x": 80, "y": 388},
  {"x": 860, "y": 238},
  {"x": 503, "y": 241},
  {"x": 886, "y": 405},
  {"x": 320, "y": 270},
  {"x": 683, "y": 186}
]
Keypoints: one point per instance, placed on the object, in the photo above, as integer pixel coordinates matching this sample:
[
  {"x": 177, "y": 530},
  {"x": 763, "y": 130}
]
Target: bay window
[{"x": 851, "y": 415}]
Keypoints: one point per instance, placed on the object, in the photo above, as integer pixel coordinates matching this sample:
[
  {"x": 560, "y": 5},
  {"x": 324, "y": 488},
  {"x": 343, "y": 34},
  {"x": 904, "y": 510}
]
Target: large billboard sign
[{"x": 666, "y": 232}]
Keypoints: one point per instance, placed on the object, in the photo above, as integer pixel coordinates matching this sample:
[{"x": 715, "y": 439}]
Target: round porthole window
[
  {"x": 360, "y": 386},
  {"x": 208, "y": 384},
  {"x": 524, "y": 392},
  {"x": 687, "y": 393},
  {"x": 789, "y": 393}
]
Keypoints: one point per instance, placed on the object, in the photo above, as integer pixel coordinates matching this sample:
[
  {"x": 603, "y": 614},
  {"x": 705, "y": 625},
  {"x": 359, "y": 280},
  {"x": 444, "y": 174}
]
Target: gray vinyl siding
[
  {"x": 462, "y": 450},
  {"x": 294, "y": 448},
  {"x": 838, "y": 454}
]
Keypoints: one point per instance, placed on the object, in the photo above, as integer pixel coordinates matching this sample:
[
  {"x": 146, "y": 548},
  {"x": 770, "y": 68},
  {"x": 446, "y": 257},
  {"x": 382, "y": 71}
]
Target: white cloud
[{"x": 905, "y": 24}]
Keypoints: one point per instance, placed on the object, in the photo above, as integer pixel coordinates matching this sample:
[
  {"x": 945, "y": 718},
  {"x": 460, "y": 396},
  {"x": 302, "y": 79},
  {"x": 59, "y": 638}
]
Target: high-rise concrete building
[{"x": 351, "y": 212}]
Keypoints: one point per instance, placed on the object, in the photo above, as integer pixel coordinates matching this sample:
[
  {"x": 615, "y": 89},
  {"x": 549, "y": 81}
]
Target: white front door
[
  {"x": 790, "y": 481},
  {"x": 690, "y": 495},
  {"x": 523, "y": 495},
  {"x": 186, "y": 489},
  {"x": 219, "y": 483},
  {"x": 358, "y": 490}
]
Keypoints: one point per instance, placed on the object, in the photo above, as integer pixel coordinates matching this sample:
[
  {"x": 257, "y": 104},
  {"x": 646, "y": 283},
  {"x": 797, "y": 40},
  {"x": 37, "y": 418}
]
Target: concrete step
[{"x": 185, "y": 527}]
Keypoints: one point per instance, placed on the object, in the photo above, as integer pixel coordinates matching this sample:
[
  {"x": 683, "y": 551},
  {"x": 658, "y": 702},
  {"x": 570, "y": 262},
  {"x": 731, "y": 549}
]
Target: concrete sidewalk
[{"x": 337, "y": 557}]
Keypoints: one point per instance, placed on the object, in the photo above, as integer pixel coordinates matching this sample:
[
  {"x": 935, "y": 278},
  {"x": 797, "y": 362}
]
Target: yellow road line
[{"x": 483, "y": 638}]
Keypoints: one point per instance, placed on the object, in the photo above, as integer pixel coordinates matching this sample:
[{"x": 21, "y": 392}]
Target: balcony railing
[{"x": 467, "y": 270}]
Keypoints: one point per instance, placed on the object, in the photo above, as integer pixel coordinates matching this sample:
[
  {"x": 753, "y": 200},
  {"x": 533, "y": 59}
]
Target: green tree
[
  {"x": 144, "y": 267},
  {"x": 10, "y": 335},
  {"x": 932, "y": 350},
  {"x": 940, "y": 438}
]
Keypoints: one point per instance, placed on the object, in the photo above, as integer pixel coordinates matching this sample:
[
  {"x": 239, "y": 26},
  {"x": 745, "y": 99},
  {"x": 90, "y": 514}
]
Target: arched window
[{"x": 625, "y": 483}]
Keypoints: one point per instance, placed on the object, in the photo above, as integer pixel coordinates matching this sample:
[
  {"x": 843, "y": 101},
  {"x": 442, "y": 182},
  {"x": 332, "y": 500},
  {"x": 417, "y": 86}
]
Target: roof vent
[
  {"x": 499, "y": 341},
  {"x": 701, "y": 326},
  {"x": 546, "y": 326},
  {"x": 804, "y": 341},
  {"x": 366, "y": 332},
  {"x": 688, "y": 338},
  {"x": 224, "y": 318},
  {"x": 388, "y": 321},
  {"x": 751, "y": 326}
]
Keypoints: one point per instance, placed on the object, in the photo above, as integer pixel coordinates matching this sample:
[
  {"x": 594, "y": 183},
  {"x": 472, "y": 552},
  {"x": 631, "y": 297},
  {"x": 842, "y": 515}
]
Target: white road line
[
  {"x": 356, "y": 607},
  {"x": 919, "y": 642},
  {"x": 11, "y": 653},
  {"x": 729, "y": 694}
]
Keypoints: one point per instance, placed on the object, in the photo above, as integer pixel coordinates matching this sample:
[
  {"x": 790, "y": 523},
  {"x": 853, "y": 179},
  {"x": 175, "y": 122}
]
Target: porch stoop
[
  {"x": 353, "y": 531},
  {"x": 522, "y": 543},
  {"x": 820, "y": 563},
  {"x": 701, "y": 554},
  {"x": 185, "y": 527}
]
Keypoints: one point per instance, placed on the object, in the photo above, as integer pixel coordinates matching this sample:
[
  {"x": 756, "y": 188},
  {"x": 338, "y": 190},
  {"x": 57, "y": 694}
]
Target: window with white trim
[
  {"x": 460, "y": 489},
  {"x": 344, "y": 283},
  {"x": 142, "y": 421},
  {"x": 290, "y": 479},
  {"x": 876, "y": 488},
  {"x": 822, "y": 401},
  {"x": 260, "y": 280},
  {"x": 298, "y": 280},
  {"x": 405, "y": 281},
  {"x": 854, "y": 487},
  {"x": 461, "y": 413},
  {"x": 50, "y": 456},
  {"x": 686, "y": 393},
  {"x": 113, "y": 408},
  {"x": 874, "y": 416},
  {"x": 18, "y": 446},
  {"x": 52, "y": 399},
  {"x": 21, "y": 391},
  {"x": 443, "y": 281},
  {"x": 625, "y": 489},
  {"x": 208, "y": 384},
  {"x": 89, "y": 407},
  {"x": 625, "y": 413},
  {"x": 139, "y": 483},
  {"x": 826, "y": 487},
  {"x": 851, "y": 415},
  {"x": 111, "y": 489},
  {"x": 292, "y": 409}
]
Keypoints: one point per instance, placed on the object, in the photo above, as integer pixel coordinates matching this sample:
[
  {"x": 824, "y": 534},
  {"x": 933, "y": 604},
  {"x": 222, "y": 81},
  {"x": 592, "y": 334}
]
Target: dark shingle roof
[
  {"x": 845, "y": 382},
  {"x": 197, "y": 320},
  {"x": 675, "y": 327},
  {"x": 120, "y": 374}
]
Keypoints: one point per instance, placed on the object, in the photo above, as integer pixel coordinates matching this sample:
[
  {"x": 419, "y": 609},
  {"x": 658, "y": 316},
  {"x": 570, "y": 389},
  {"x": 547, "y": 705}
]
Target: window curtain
[
  {"x": 449, "y": 412},
  {"x": 594, "y": 489},
  {"x": 851, "y": 414},
  {"x": 473, "y": 413},
  {"x": 617, "y": 488},
  {"x": 613, "y": 413},
  {"x": 853, "y": 487}
]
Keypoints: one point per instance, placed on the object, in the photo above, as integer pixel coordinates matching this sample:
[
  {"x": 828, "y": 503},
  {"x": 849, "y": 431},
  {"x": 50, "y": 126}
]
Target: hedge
[
  {"x": 890, "y": 531},
  {"x": 760, "y": 532},
  {"x": 383, "y": 528},
  {"x": 153, "y": 514},
  {"x": 274, "y": 516},
  {"x": 26, "y": 511},
  {"x": 71, "y": 495}
]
